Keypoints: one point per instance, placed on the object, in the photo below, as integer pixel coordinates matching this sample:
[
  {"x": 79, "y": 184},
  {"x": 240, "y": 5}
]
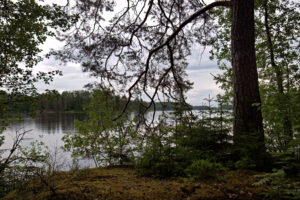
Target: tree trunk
[{"x": 248, "y": 127}]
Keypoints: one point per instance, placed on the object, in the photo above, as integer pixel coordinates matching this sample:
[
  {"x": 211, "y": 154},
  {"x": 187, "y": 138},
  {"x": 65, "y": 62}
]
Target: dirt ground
[{"x": 125, "y": 184}]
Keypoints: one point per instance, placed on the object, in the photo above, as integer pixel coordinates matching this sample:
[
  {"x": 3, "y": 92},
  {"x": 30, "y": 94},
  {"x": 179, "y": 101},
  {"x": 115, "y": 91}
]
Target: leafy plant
[
  {"x": 280, "y": 187},
  {"x": 203, "y": 169},
  {"x": 170, "y": 149},
  {"x": 244, "y": 163},
  {"x": 21, "y": 164},
  {"x": 99, "y": 137}
]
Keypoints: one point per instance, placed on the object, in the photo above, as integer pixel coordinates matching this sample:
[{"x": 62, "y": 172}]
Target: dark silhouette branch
[{"x": 167, "y": 41}]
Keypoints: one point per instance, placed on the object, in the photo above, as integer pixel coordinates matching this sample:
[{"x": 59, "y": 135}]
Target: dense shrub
[
  {"x": 203, "y": 169},
  {"x": 281, "y": 186},
  {"x": 171, "y": 151}
]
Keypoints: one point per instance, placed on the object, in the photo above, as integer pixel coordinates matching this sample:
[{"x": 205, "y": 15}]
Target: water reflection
[
  {"x": 53, "y": 123},
  {"x": 46, "y": 127},
  {"x": 50, "y": 128}
]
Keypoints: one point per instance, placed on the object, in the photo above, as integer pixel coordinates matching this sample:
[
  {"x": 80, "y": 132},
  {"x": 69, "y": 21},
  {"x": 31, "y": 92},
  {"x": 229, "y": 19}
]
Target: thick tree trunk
[{"x": 248, "y": 126}]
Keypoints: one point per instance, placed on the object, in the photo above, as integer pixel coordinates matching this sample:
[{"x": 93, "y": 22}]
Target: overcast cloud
[{"x": 199, "y": 71}]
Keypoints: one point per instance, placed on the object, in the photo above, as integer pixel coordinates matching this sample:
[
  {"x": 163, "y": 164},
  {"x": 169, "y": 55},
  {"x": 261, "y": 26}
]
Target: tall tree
[
  {"x": 277, "y": 50},
  {"x": 24, "y": 26},
  {"x": 144, "y": 47},
  {"x": 248, "y": 126}
]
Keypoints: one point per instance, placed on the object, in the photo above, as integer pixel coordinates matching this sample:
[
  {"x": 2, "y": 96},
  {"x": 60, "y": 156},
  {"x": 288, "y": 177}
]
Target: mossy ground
[{"x": 124, "y": 184}]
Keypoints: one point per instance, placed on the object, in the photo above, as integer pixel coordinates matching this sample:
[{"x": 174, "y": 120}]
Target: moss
[{"x": 125, "y": 184}]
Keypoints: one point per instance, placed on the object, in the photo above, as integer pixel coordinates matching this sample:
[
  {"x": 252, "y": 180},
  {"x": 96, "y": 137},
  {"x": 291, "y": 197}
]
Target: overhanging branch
[
  {"x": 168, "y": 40},
  {"x": 191, "y": 18}
]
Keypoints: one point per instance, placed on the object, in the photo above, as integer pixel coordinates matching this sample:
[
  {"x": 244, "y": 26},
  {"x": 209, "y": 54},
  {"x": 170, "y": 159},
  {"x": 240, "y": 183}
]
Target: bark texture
[{"x": 248, "y": 125}]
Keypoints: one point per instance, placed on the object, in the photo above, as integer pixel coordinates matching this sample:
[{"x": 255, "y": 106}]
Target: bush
[
  {"x": 280, "y": 186},
  {"x": 171, "y": 150},
  {"x": 245, "y": 163},
  {"x": 161, "y": 162},
  {"x": 203, "y": 169}
]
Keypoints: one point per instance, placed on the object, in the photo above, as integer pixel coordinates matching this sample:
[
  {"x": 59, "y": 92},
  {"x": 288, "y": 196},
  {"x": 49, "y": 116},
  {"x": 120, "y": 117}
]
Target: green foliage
[
  {"x": 203, "y": 169},
  {"x": 100, "y": 138},
  {"x": 22, "y": 165},
  {"x": 52, "y": 100},
  {"x": 281, "y": 187},
  {"x": 160, "y": 157},
  {"x": 245, "y": 163},
  {"x": 67, "y": 101},
  {"x": 171, "y": 148},
  {"x": 289, "y": 162},
  {"x": 24, "y": 26},
  {"x": 246, "y": 154},
  {"x": 277, "y": 53},
  {"x": 284, "y": 180}
]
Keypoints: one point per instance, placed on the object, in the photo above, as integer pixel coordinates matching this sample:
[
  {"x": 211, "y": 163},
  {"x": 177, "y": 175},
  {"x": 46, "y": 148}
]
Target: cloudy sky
[{"x": 199, "y": 71}]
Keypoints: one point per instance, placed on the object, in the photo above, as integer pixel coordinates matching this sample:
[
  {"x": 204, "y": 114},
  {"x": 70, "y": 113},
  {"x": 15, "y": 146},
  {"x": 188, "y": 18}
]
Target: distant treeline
[
  {"x": 171, "y": 106},
  {"x": 224, "y": 107},
  {"x": 74, "y": 101},
  {"x": 53, "y": 101}
]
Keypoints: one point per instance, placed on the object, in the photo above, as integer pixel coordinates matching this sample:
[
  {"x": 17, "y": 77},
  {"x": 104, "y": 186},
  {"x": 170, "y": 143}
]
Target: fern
[
  {"x": 268, "y": 177},
  {"x": 262, "y": 181},
  {"x": 280, "y": 186}
]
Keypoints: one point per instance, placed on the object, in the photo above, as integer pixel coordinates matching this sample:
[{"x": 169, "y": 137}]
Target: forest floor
[{"x": 121, "y": 183}]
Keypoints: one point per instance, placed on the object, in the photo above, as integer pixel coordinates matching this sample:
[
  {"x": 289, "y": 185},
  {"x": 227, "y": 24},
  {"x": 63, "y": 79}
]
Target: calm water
[{"x": 50, "y": 128}]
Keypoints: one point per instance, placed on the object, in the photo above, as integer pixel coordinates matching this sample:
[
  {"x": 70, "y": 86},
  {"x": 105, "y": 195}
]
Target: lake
[{"x": 50, "y": 128}]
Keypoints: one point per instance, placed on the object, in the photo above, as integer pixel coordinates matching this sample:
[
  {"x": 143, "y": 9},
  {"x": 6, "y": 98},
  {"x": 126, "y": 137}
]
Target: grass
[{"x": 121, "y": 183}]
